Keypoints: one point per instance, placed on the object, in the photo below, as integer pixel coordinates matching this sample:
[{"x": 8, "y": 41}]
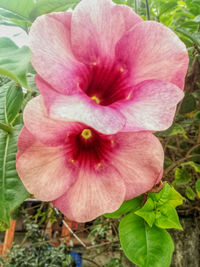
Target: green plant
[{"x": 37, "y": 251}]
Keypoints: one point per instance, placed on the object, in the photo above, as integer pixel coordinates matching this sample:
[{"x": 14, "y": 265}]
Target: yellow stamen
[
  {"x": 96, "y": 99},
  {"x": 112, "y": 141},
  {"x": 99, "y": 164},
  {"x": 121, "y": 69},
  {"x": 94, "y": 63},
  {"x": 72, "y": 160},
  {"x": 86, "y": 133},
  {"x": 128, "y": 97}
]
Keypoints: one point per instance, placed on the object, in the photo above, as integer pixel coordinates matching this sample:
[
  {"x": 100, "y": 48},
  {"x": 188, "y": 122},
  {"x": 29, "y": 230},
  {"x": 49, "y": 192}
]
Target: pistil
[{"x": 86, "y": 133}]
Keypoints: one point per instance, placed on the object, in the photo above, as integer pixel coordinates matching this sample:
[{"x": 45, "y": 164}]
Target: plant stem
[
  {"x": 147, "y": 10},
  {"x": 86, "y": 259},
  {"x": 177, "y": 163},
  {"x": 6, "y": 128},
  {"x": 136, "y": 6},
  {"x": 191, "y": 149}
]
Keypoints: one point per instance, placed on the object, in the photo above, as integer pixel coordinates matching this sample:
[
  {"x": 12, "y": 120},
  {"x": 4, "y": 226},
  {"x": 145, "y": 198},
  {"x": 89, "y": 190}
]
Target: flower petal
[
  {"x": 45, "y": 129},
  {"x": 62, "y": 17},
  {"x": 80, "y": 108},
  {"x": 52, "y": 55},
  {"x": 42, "y": 169},
  {"x": 151, "y": 107},
  {"x": 25, "y": 140},
  {"x": 92, "y": 195},
  {"x": 96, "y": 27},
  {"x": 152, "y": 51},
  {"x": 139, "y": 159}
]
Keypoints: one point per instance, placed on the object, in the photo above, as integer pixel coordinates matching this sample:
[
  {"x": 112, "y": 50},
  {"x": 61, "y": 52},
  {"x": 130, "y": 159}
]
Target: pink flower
[
  {"x": 104, "y": 66},
  {"x": 83, "y": 172}
]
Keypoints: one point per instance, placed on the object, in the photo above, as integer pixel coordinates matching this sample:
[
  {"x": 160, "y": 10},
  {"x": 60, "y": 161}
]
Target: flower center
[
  {"x": 88, "y": 148},
  {"x": 106, "y": 83},
  {"x": 86, "y": 133}
]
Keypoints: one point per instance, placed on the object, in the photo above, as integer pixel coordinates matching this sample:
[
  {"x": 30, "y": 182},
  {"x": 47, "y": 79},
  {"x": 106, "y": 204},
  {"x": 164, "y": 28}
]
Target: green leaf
[
  {"x": 145, "y": 246},
  {"x": 12, "y": 191},
  {"x": 188, "y": 105},
  {"x": 166, "y": 7},
  {"x": 47, "y": 6},
  {"x": 11, "y": 96},
  {"x": 29, "y": 10},
  {"x": 167, "y": 217},
  {"x": 192, "y": 164},
  {"x": 173, "y": 130},
  {"x": 182, "y": 176},
  {"x": 193, "y": 6},
  {"x": 8, "y": 14},
  {"x": 197, "y": 19},
  {"x": 127, "y": 206},
  {"x": 18, "y": 120},
  {"x": 190, "y": 193},
  {"x": 197, "y": 187},
  {"x": 19, "y": 7},
  {"x": 163, "y": 196},
  {"x": 14, "y": 61},
  {"x": 147, "y": 212},
  {"x": 176, "y": 199},
  {"x": 192, "y": 37},
  {"x": 10, "y": 19},
  {"x": 4, "y": 224},
  {"x": 168, "y": 195},
  {"x": 14, "y": 99},
  {"x": 3, "y": 93}
]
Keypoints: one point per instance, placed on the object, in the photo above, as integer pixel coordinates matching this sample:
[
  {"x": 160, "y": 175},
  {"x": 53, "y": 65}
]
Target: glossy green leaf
[
  {"x": 167, "y": 217},
  {"x": 175, "y": 199},
  {"x": 12, "y": 191},
  {"x": 182, "y": 176},
  {"x": 147, "y": 212},
  {"x": 197, "y": 187},
  {"x": 167, "y": 195},
  {"x": 160, "y": 208},
  {"x": 163, "y": 196},
  {"x": 145, "y": 246},
  {"x": 14, "y": 61},
  {"x": 127, "y": 206},
  {"x": 190, "y": 193}
]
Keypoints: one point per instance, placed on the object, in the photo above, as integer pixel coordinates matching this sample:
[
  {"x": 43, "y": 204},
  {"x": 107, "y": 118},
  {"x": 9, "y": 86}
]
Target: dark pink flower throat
[
  {"x": 88, "y": 148},
  {"x": 106, "y": 84}
]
